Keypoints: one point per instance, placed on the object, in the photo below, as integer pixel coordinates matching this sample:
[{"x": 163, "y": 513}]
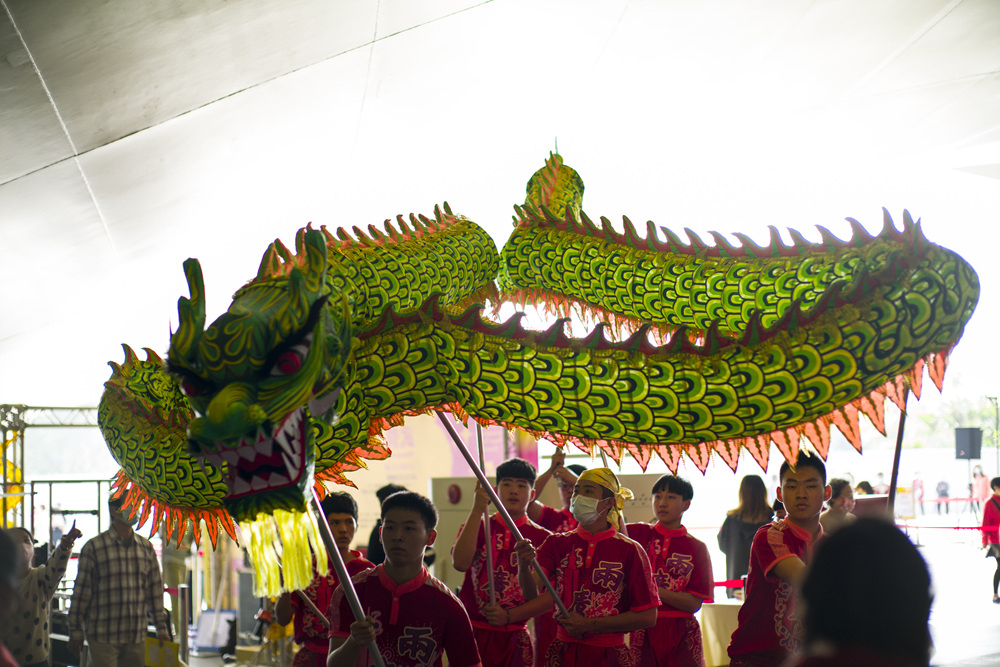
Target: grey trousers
[{"x": 101, "y": 654}]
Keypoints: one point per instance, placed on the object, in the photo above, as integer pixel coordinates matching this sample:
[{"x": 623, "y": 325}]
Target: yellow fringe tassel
[{"x": 284, "y": 547}]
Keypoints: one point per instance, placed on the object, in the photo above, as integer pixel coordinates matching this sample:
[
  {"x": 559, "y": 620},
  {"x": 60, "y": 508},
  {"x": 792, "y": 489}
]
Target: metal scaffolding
[{"x": 14, "y": 420}]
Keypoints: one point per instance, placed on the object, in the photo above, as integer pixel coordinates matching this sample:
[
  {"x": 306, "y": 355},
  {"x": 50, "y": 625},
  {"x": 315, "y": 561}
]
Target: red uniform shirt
[
  {"x": 475, "y": 591},
  {"x": 557, "y": 521},
  {"x": 598, "y": 574},
  {"x": 766, "y": 620},
  {"x": 991, "y": 519},
  {"x": 310, "y": 631},
  {"x": 416, "y": 622},
  {"x": 680, "y": 562}
]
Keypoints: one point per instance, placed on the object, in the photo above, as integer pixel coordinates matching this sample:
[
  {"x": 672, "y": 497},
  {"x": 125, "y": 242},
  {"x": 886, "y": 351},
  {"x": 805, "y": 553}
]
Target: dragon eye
[{"x": 288, "y": 362}]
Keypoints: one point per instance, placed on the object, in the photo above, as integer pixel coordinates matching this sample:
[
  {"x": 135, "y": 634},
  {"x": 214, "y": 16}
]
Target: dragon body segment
[{"x": 330, "y": 345}]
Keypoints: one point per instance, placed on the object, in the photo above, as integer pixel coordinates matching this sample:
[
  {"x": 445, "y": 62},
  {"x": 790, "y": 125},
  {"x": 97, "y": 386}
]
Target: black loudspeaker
[{"x": 968, "y": 443}]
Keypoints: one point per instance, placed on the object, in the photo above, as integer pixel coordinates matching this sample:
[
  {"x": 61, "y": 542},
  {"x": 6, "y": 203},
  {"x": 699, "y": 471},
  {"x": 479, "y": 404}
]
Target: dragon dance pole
[
  {"x": 895, "y": 461},
  {"x": 621, "y": 514},
  {"x": 501, "y": 509},
  {"x": 489, "y": 542},
  {"x": 312, "y": 605},
  {"x": 343, "y": 575}
]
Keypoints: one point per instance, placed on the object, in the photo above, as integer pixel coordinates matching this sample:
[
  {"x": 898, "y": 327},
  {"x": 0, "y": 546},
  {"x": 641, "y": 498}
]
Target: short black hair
[
  {"x": 995, "y": 483},
  {"x": 410, "y": 500},
  {"x": 804, "y": 460},
  {"x": 516, "y": 468},
  {"x": 340, "y": 502},
  {"x": 387, "y": 490},
  {"x": 869, "y": 559},
  {"x": 576, "y": 469},
  {"x": 777, "y": 505},
  {"x": 674, "y": 484}
]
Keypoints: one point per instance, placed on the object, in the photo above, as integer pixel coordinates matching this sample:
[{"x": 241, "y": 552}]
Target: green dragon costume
[{"x": 331, "y": 345}]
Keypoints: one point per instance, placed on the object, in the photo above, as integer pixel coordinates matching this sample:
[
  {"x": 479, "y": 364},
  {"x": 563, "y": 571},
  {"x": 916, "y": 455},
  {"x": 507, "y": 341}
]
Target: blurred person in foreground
[
  {"x": 867, "y": 560},
  {"x": 10, "y": 565}
]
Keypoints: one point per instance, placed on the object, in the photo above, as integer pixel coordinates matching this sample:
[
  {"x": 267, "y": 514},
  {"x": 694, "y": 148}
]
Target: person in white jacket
[{"x": 26, "y": 634}]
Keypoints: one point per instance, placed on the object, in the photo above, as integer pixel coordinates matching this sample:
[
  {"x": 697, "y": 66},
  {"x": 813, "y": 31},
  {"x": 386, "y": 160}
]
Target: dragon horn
[
  {"x": 315, "y": 270},
  {"x": 190, "y": 311}
]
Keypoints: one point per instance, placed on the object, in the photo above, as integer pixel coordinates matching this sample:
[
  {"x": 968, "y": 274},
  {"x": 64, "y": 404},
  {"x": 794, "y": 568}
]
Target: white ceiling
[{"x": 136, "y": 134}]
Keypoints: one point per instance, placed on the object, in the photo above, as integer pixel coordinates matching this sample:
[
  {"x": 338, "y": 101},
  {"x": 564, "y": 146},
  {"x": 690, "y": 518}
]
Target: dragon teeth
[
  {"x": 277, "y": 479},
  {"x": 285, "y": 442},
  {"x": 240, "y": 485},
  {"x": 264, "y": 447},
  {"x": 292, "y": 469},
  {"x": 258, "y": 483},
  {"x": 247, "y": 453}
]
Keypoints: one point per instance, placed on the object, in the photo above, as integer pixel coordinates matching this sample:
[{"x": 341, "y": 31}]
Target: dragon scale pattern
[{"x": 716, "y": 348}]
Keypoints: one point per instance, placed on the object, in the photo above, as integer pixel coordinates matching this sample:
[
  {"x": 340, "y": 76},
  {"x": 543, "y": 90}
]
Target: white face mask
[{"x": 585, "y": 510}]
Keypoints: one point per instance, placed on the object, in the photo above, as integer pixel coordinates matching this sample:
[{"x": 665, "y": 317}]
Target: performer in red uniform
[
  {"x": 509, "y": 645},
  {"x": 602, "y": 577},
  {"x": 556, "y": 520},
  {"x": 682, "y": 570},
  {"x": 413, "y": 617},
  {"x": 768, "y": 630},
  {"x": 311, "y": 631}
]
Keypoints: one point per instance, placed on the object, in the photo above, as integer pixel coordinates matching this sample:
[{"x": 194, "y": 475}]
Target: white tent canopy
[{"x": 136, "y": 134}]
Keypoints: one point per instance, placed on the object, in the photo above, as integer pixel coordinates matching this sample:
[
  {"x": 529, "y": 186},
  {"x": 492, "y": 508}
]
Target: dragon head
[{"x": 257, "y": 375}]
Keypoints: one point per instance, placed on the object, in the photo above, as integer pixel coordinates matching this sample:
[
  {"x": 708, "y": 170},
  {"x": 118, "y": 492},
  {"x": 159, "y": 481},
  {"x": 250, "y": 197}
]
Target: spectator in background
[
  {"x": 10, "y": 565},
  {"x": 838, "y": 512},
  {"x": 118, "y": 584},
  {"x": 27, "y": 633},
  {"x": 991, "y": 536},
  {"x": 739, "y": 527},
  {"x": 918, "y": 491},
  {"x": 868, "y": 560},
  {"x": 980, "y": 490},
  {"x": 864, "y": 489},
  {"x": 942, "y": 496},
  {"x": 881, "y": 487}
]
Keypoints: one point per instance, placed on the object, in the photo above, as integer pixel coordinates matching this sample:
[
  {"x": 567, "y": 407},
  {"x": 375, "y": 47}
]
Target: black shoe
[{"x": 996, "y": 599}]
